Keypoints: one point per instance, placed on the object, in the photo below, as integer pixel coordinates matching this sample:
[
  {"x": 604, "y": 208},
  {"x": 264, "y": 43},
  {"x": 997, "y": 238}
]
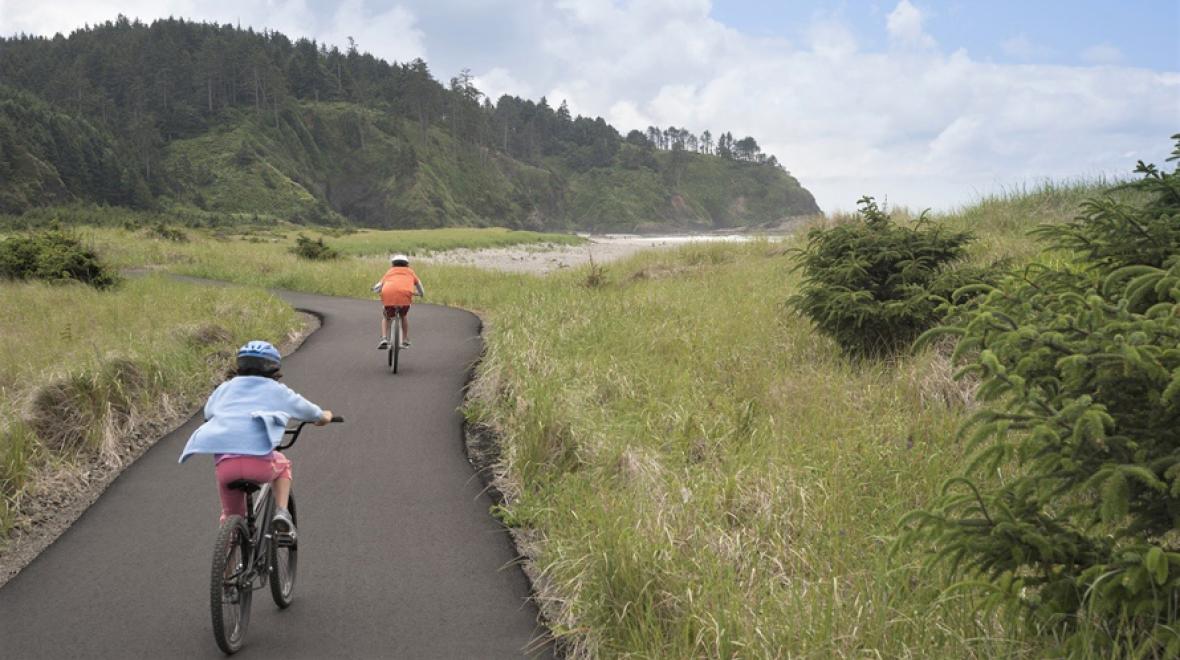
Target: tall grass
[
  {"x": 708, "y": 476},
  {"x": 703, "y": 475},
  {"x": 711, "y": 477},
  {"x": 1001, "y": 220},
  {"x": 82, "y": 370}
]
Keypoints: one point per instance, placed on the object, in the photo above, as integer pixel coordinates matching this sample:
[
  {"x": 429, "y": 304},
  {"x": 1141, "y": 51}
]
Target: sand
[{"x": 548, "y": 257}]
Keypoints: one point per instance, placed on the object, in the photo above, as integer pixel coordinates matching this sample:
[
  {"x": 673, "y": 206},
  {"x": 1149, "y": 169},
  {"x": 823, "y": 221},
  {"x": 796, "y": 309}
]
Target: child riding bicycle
[
  {"x": 397, "y": 286},
  {"x": 244, "y": 421}
]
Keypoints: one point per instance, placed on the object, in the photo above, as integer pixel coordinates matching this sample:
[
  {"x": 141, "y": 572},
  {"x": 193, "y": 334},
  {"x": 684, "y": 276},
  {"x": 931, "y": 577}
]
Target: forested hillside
[{"x": 182, "y": 114}]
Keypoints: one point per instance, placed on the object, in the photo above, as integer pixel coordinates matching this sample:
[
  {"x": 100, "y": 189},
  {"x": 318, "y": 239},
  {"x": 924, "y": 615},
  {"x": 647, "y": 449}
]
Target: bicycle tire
[
  {"x": 396, "y": 346},
  {"x": 229, "y": 603},
  {"x": 283, "y": 562}
]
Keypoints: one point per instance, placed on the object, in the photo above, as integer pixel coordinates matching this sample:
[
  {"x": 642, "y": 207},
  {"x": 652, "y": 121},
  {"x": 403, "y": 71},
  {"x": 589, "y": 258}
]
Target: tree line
[
  {"x": 682, "y": 139},
  {"x": 149, "y": 84}
]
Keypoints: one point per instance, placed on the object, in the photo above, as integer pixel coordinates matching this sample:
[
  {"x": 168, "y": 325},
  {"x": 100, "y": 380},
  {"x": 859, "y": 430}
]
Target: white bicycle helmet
[{"x": 399, "y": 260}]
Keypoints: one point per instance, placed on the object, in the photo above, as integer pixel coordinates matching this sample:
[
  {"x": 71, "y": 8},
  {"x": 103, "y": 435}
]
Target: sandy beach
[{"x": 545, "y": 258}]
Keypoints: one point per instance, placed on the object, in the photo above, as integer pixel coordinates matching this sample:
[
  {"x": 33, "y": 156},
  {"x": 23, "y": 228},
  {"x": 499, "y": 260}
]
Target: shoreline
[{"x": 542, "y": 259}]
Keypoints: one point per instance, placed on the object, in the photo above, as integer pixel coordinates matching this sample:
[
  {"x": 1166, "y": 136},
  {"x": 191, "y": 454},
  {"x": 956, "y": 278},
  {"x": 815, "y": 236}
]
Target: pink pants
[{"x": 259, "y": 469}]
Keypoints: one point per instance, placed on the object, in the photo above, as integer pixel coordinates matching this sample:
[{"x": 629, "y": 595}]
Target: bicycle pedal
[{"x": 285, "y": 540}]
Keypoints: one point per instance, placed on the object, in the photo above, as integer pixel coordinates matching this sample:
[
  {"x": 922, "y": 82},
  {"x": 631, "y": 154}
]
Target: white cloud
[
  {"x": 832, "y": 40},
  {"x": 1102, "y": 54},
  {"x": 1022, "y": 48},
  {"x": 624, "y": 113},
  {"x": 905, "y": 26},
  {"x": 389, "y": 34},
  {"x": 497, "y": 81},
  {"x": 924, "y": 127},
  {"x": 911, "y": 121}
]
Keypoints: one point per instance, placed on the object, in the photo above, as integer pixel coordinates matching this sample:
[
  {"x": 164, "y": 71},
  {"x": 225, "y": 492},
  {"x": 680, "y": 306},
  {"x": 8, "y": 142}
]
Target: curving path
[{"x": 398, "y": 555}]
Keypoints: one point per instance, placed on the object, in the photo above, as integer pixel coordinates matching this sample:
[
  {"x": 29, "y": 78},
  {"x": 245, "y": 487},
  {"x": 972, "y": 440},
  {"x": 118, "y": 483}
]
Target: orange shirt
[{"x": 397, "y": 286}]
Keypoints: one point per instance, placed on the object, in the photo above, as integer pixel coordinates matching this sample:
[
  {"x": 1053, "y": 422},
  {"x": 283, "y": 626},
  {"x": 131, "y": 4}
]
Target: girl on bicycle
[
  {"x": 397, "y": 287},
  {"x": 244, "y": 421}
]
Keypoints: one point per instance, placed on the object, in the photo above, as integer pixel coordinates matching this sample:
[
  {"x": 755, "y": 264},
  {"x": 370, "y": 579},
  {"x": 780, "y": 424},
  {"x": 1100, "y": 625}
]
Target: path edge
[{"x": 482, "y": 445}]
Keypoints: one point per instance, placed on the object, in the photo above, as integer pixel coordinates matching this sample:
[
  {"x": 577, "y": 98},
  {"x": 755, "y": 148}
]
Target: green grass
[
  {"x": 1001, "y": 221},
  {"x": 368, "y": 242},
  {"x": 710, "y": 478},
  {"x": 80, "y": 369},
  {"x": 705, "y": 475},
  {"x": 713, "y": 479}
]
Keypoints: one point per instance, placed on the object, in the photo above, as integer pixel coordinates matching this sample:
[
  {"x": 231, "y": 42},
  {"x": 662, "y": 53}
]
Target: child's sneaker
[
  {"x": 283, "y": 524},
  {"x": 383, "y": 344},
  {"x": 405, "y": 344}
]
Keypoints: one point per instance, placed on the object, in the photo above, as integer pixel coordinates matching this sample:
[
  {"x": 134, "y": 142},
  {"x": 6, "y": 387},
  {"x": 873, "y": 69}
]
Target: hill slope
[
  {"x": 180, "y": 114},
  {"x": 49, "y": 157}
]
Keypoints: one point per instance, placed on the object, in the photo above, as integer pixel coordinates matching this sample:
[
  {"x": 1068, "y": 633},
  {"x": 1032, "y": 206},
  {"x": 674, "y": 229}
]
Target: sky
[{"x": 923, "y": 103}]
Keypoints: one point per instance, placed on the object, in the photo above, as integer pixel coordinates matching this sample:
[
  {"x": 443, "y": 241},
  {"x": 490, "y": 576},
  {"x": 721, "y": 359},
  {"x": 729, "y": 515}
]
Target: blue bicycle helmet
[{"x": 258, "y": 358}]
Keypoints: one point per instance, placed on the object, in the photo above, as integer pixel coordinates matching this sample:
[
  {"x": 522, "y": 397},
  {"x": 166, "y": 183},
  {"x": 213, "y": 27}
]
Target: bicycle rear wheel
[
  {"x": 395, "y": 347},
  {"x": 229, "y": 586},
  {"x": 283, "y": 562}
]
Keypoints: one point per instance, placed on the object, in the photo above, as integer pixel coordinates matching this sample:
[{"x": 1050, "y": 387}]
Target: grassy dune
[
  {"x": 82, "y": 370},
  {"x": 698, "y": 473},
  {"x": 710, "y": 478}
]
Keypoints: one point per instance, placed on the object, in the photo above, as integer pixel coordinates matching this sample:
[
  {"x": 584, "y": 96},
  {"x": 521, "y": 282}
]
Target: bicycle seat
[{"x": 244, "y": 485}]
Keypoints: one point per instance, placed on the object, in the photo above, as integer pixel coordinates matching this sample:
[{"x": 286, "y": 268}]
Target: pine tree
[{"x": 1080, "y": 371}]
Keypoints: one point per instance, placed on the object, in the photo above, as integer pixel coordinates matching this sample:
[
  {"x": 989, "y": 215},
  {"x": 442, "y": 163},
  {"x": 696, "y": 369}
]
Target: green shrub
[
  {"x": 313, "y": 249},
  {"x": 1080, "y": 370},
  {"x": 54, "y": 256},
  {"x": 167, "y": 233},
  {"x": 873, "y": 285}
]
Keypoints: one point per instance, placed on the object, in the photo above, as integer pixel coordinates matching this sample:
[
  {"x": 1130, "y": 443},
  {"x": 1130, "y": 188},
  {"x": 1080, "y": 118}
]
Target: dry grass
[{"x": 88, "y": 377}]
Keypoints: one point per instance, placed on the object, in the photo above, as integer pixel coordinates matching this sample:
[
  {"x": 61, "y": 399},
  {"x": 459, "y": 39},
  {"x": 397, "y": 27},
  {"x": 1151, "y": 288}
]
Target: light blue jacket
[{"x": 247, "y": 415}]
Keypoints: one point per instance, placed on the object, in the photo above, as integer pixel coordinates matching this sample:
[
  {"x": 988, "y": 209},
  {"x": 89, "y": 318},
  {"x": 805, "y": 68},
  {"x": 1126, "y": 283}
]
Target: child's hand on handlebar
[{"x": 324, "y": 418}]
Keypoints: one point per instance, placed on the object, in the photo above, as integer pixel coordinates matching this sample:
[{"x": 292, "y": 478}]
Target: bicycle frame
[{"x": 258, "y": 525}]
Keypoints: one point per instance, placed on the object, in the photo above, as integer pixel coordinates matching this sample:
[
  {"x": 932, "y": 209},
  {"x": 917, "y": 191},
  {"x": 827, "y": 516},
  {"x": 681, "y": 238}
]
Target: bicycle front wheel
[
  {"x": 283, "y": 562},
  {"x": 229, "y": 585}
]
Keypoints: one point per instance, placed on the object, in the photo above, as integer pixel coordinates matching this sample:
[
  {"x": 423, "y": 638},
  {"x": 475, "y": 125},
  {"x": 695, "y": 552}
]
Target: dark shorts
[{"x": 391, "y": 310}]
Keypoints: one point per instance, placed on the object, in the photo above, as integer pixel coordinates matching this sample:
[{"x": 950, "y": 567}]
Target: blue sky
[
  {"x": 931, "y": 104},
  {"x": 1145, "y": 34}
]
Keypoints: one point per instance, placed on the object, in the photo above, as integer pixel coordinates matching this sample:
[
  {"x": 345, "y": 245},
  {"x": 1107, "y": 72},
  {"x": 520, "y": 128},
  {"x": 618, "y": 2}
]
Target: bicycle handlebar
[{"x": 294, "y": 433}]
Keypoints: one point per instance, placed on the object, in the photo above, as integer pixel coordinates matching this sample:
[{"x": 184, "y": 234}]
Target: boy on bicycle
[
  {"x": 397, "y": 286},
  {"x": 244, "y": 421}
]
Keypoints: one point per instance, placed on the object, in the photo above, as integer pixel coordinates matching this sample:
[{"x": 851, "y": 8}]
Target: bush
[
  {"x": 167, "y": 233},
  {"x": 314, "y": 250},
  {"x": 1080, "y": 370},
  {"x": 874, "y": 286},
  {"x": 54, "y": 256}
]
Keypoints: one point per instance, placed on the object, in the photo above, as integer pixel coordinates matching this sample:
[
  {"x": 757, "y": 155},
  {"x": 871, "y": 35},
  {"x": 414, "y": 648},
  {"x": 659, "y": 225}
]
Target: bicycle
[
  {"x": 248, "y": 556},
  {"x": 395, "y": 340}
]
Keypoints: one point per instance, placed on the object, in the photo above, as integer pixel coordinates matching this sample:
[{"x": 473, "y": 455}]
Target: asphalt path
[{"x": 398, "y": 556}]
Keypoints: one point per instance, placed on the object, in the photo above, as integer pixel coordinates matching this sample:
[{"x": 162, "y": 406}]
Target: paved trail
[{"x": 398, "y": 556}]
